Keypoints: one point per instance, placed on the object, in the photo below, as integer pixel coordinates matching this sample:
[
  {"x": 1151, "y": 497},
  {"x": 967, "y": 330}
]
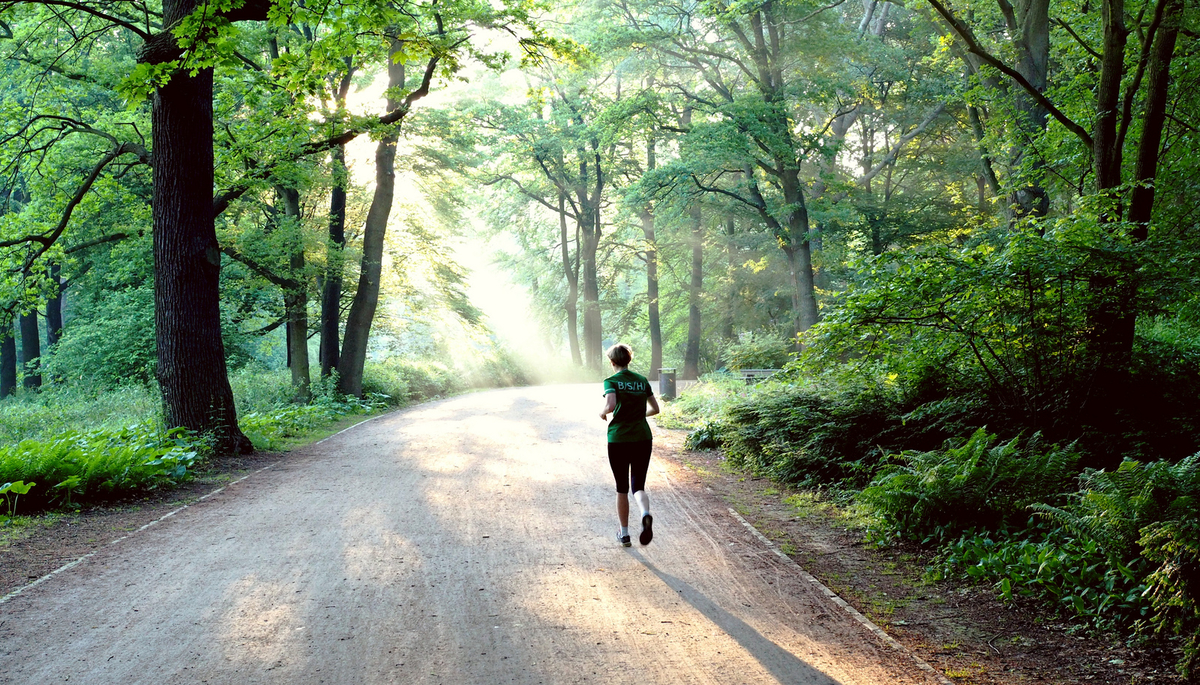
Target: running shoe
[
  {"x": 647, "y": 530},
  {"x": 624, "y": 540}
]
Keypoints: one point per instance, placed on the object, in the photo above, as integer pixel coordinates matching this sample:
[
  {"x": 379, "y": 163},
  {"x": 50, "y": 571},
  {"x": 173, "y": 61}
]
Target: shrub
[
  {"x": 796, "y": 434},
  {"x": 1174, "y": 586},
  {"x": 403, "y": 381},
  {"x": 757, "y": 351},
  {"x": 110, "y": 343},
  {"x": 269, "y": 430},
  {"x": 979, "y": 483},
  {"x": 702, "y": 401},
  {"x": 59, "y": 408}
]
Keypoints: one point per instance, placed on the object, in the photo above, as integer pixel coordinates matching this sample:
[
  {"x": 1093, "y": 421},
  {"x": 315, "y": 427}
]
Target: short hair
[{"x": 620, "y": 354}]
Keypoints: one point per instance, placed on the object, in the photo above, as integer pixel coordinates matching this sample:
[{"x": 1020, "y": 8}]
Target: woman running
[{"x": 629, "y": 438}]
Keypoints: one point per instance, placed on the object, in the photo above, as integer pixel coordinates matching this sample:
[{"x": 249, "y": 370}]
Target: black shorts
[{"x": 629, "y": 460}]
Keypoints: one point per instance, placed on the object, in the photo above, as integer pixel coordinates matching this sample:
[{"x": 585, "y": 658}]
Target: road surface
[{"x": 468, "y": 540}]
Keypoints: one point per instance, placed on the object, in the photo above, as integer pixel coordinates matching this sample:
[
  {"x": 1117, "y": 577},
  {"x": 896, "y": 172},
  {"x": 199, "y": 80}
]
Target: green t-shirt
[{"x": 628, "y": 423}]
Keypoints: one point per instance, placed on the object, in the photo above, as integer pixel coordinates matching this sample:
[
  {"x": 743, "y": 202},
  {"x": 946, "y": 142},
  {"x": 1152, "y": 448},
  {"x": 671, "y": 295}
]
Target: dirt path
[{"x": 464, "y": 541}]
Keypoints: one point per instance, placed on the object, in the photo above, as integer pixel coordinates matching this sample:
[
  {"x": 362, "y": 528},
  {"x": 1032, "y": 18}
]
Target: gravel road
[{"x": 468, "y": 540}]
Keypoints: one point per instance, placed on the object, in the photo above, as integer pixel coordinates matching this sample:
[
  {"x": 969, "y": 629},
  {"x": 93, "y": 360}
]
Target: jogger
[{"x": 630, "y": 441}]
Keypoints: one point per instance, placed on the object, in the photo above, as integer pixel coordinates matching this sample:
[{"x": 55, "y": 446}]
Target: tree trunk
[
  {"x": 593, "y": 339},
  {"x": 590, "y": 229},
  {"x": 31, "y": 350},
  {"x": 799, "y": 255},
  {"x": 691, "y": 355},
  {"x": 54, "y": 307},
  {"x": 8, "y": 362},
  {"x": 1032, "y": 40},
  {"x": 187, "y": 259},
  {"x": 295, "y": 300},
  {"x": 1114, "y": 316},
  {"x": 731, "y": 291},
  {"x": 366, "y": 298},
  {"x": 571, "y": 271},
  {"x": 652, "y": 277},
  {"x": 331, "y": 290}
]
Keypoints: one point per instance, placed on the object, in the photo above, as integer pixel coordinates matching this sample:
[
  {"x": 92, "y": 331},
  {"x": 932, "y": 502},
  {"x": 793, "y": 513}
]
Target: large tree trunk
[
  {"x": 331, "y": 290},
  {"x": 295, "y": 300},
  {"x": 571, "y": 271},
  {"x": 31, "y": 350},
  {"x": 691, "y": 355},
  {"x": 54, "y": 307},
  {"x": 8, "y": 361},
  {"x": 366, "y": 298},
  {"x": 187, "y": 259}
]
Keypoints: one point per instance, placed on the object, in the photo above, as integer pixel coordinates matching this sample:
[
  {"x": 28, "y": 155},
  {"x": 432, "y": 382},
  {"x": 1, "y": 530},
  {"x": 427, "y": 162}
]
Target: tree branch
[
  {"x": 964, "y": 33},
  {"x": 894, "y": 153},
  {"x": 115, "y": 237},
  {"x": 285, "y": 283}
]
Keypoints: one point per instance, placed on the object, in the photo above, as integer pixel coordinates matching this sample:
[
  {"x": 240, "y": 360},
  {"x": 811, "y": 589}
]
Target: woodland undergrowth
[
  {"x": 1035, "y": 511},
  {"x": 67, "y": 447}
]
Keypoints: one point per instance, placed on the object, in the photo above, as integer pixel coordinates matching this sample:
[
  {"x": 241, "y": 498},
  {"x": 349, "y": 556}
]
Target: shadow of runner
[{"x": 785, "y": 666}]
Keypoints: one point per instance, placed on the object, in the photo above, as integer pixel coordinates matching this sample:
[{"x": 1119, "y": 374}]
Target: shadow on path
[{"x": 785, "y": 666}]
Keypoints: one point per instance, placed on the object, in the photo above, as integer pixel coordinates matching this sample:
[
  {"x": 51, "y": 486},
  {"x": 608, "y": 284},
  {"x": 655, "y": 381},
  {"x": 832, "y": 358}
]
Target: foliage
[
  {"x": 111, "y": 343},
  {"x": 268, "y": 430},
  {"x": 796, "y": 434},
  {"x": 981, "y": 483},
  {"x": 60, "y": 408},
  {"x": 401, "y": 381},
  {"x": 100, "y": 464},
  {"x": 1067, "y": 572},
  {"x": 1174, "y": 586},
  {"x": 702, "y": 401},
  {"x": 757, "y": 351}
]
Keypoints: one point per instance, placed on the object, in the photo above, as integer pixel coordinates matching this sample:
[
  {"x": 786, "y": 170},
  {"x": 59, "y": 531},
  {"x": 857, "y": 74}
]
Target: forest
[{"x": 965, "y": 233}]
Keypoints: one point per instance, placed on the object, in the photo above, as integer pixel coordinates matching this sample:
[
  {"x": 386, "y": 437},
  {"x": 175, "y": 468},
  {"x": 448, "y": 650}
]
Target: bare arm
[
  {"x": 610, "y": 405},
  {"x": 653, "y": 406}
]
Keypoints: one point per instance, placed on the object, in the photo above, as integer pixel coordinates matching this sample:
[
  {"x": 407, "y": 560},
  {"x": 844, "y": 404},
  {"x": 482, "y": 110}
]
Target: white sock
[
  {"x": 624, "y": 531},
  {"x": 643, "y": 501}
]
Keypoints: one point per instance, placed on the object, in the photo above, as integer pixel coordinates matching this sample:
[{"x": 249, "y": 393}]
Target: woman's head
[{"x": 620, "y": 354}]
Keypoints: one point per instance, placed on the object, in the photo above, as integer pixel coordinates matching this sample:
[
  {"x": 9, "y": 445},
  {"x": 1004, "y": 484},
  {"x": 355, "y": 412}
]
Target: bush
[
  {"x": 111, "y": 342},
  {"x": 268, "y": 430},
  {"x": 702, "y": 401},
  {"x": 1174, "y": 586},
  {"x": 796, "y": 434},
  {"x": 757, "y": 351},
  {"x": 402, "y": 381},
  {"x": 979, "y": 484}
]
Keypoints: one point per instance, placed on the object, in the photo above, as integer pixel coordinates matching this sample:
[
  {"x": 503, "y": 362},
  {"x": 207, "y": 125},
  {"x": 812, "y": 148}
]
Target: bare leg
[
  {"x": 643, "y": 501},
  {"x": 623, "y": 509}
]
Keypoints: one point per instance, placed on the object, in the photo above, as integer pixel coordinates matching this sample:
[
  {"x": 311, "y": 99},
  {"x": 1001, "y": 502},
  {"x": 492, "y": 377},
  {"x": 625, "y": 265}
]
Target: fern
[
  {"x": 978, "y": 484},
  {"x": 1114, "y": 507}
]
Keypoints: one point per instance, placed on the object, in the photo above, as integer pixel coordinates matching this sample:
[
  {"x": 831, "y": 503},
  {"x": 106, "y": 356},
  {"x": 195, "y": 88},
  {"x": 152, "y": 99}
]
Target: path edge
[{"x": 833, "y": 596}]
